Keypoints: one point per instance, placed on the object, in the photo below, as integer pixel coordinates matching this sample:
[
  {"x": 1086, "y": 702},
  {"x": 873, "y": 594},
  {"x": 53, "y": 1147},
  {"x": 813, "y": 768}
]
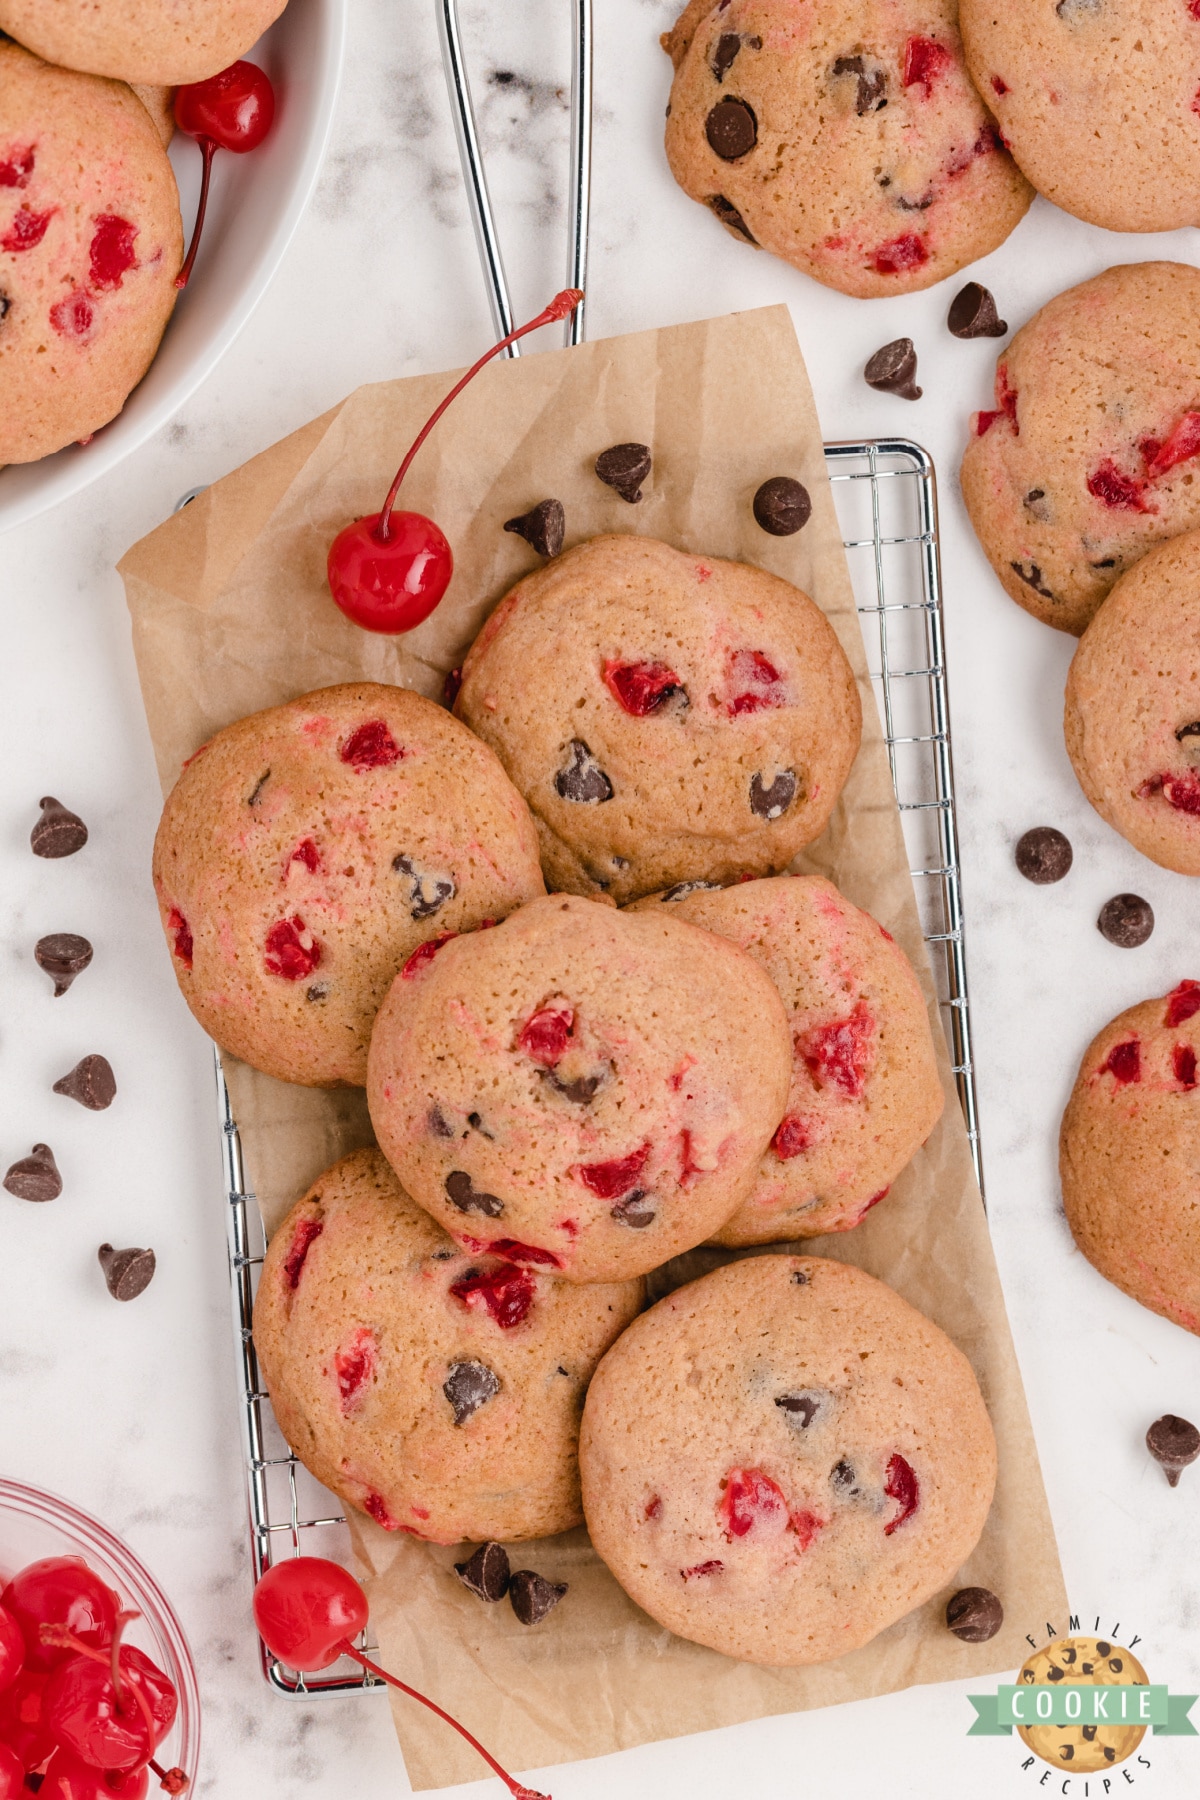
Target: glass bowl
[{"x": 35, "y": 1524}]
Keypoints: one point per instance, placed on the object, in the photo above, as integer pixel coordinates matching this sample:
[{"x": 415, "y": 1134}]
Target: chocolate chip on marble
[
  {"x": 1032, "y": 577},
  {"x": 773, "y": 801},
  {"x": 544, "y": 526},
  {"x": 439, "y": 1124},
  {"x": 729, "y": 215},
  {"x": 624, "y": 467},
  {"x": 467, "y": 1387},
  {"x": 58, "y": 832},
  {"x": 486, "y": 1572},
  {"x": 255, "y": 794},
  {"x": 91, "y": 1082},
  {"x": 467, "y": 1198},
  {"x": 637, "y": 1210},
  {"x": 532, "y": 1596},
  {"x": 63, "y": 955},
  {"x": 1126, "y": 921},
  {"x": 892, "y": 370},
  {"x": 428, "y": 889},
  {"x": 128, "y": 1273},
  {"x": 731, "y": 129},
  {"x": 974, "y": 1614},
  {"x": 1173, "y": 1443},
  {"x": 782, "y": 506},
  {"x": 801, "y": 1409},
  {"x": 1043, "y": 855},
  {"x": 581, "y": 779},
  {"x": 973, "y": 315},
  {"x": 871, "y": 93},
  {"x": 36, "y": 1176}
]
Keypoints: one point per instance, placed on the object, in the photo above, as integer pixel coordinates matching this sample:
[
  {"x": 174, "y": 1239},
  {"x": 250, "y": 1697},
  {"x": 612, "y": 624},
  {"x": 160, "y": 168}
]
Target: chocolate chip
[
  {"x": 1089, "y": 1733},
  {"x": 58, "y": 832},
  {"x": 255, "y": 794},
  {"x": 467, "y": 1199},
  {"x": 690, "y": 887},
  {"x": 544, "y": 526},
  {"x": 475, "y": 1121},
  {"x": 844, "y": 1480},
  {"x": 891, "y": 370},
  {"x": 637, "y": 1210},
  {"x": 532, "y": 1596},
  {"x": 486, "y": 1572},
  {"x": 581, "y": 779},
  {"x": 974, "y": 1614},
  {"x": 318, "y": 991},
  {"x": 582, "y": 1091},
  {"x": 729, "y": 215},
  {"x": 1110, "y": 1754},
  {"x": 625, "y": 467},
  {"x": 782, "y": 506},
  {"x": 1037, "y": 504},
  {"x": 1044, "y": 855},
  {"x": 801, "y": 1409},
  {"x": 1126, "y": 921},
  {"x": 1188, "y": 731},
  {"x": 1054, "y": 1673},
  {"x": 1032, "y": 577},
  {"x": 731, "y": 129},
  {"x": 1116, "y": 1664},
  {"x": 428, "y": 890},
  {"x": 799, "y": 1278},
  {"x": 5, "y": 303},
  {"x": 1104, "y": 1649},
  {"x": 36, "y": 1176},
  {"x": 439, "y": 1124},
  {"x": 871, "y": 95},
  {"x": 1069, "y": 1654},
  {"x": 91, "y": 1082},
  {"x": 63, "y": 956},
  {"x": 725, "y": 53},
  {"x": 1107, "y": 562},
  {"x": 972, "y": 315},
  {"x": 467, "y": 1387},
  {"x": 772, "y": 802},
  {"x": 1173, "y": 1443},
  {"x": 127, "y": 1272},
  {"x": 921, "y": 205}
]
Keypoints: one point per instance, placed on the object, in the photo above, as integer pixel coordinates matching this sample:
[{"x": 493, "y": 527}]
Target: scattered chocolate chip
[
  {"x": 625, "y": 467},
  {"x": 1032, "y": 577},
  {"x": 581, "y": 779},
  {"x": 91, "y": 1082},
  {"x": 972, "y": 315},
  {"x": 486, "y": 1572},
  {"x": 532, "y": 1596},
  {"x": 544, "y": 526},
  {"x": 637, "y": 1210},
  {"x": 468, "y": 1199},
  {"x": 127, "y": 1272},
  {"x": 801, "y": 1409},
  {"x": 63, "y": 956},
  {"x": 467, "y": 1387},
  {"x": 871, "y": 95},
  {"x": 1126, "y": 921},
  {"x": 1173, "y": 1443},
  {"x": 439, "y": 1124},
  {"x": 36, "y": 1176},
  {"x": 1044, "y": 855},
  {"x": 428, "y": 890},
  {"x": 58, "y": 832},
  {"x": 974, "y": 1614},
  {"x": 782, "y": 506},
  {"x": 892, "y": 370},
  {"x": 731, "y": 129},
  {"x": 255, "y": 794},
  {"x": 729, "y": 215},
  {"x": 772, "y": 802}
]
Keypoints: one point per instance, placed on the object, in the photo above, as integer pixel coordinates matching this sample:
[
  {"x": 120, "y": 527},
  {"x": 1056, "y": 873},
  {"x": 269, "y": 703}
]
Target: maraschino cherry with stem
[
  {"x": 308, "y": 1610},
  {"x": 230, "y": 111},
  {"x": 388, "y": 571}
]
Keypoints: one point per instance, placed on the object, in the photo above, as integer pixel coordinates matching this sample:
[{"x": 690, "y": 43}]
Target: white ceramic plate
[{"x": 256, "y": 203}]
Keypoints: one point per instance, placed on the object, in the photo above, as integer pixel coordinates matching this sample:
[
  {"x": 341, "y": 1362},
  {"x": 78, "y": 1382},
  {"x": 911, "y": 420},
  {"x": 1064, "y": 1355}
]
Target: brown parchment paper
[{"x": 231, "y": 613}]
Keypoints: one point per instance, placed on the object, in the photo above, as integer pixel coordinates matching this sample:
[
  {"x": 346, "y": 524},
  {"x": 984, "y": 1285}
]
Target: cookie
[
  {"x": 1084, "y": 1662},
  {"x": 667, "y": 717},
  {"x": 437, "y": 1392},
  {"x": 308, "y": 851},
  {"x": 90, "y": 244},
  {"x": 783, "y": 1458},
  {"x": 580, "y": 1089},
  {"x": 1089, "y": 457},
  {"x": 865, "y": 1090},
  {"x": 1097, "y": 101},
  {"x": 1132, "y": 716},
  {"x": 159, "y": 102},
  {"x": 846, "y": 139},
  {"x": 140, "y": 40},
  {"x": 1128, "y": 1153}
]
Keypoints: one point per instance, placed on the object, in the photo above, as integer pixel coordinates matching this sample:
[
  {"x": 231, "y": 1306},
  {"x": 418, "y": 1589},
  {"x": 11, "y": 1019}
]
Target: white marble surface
[{"x": 131, "y": 1411}]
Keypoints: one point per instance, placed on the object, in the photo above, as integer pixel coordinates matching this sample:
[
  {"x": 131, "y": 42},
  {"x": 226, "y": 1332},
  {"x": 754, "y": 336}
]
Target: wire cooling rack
[{"x": 886, "y": 497}]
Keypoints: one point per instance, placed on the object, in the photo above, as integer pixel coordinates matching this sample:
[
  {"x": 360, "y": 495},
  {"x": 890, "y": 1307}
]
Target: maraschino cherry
[
  {"x": 12, "y": 1649},
  {"x": 307, "y": 1610},
  {"x": 12, "y": 1775},
  {"x": 60, "y": 1590},
  {"x": 229, "y": 111},
  {"x": 67, "y": 1778},
  {"x": 388, "y": 571}
]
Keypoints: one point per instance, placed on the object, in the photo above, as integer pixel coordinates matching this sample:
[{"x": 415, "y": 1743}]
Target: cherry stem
[
  {"x": 560, "y": 307},
  {"x": 208, "y": 149},
  {"x": 172, "y": 1781},
  {"x": 514, "y": 1787}
]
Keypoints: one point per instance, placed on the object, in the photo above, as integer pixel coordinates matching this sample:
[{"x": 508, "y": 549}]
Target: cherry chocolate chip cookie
[{"x": 140, "y": 40}]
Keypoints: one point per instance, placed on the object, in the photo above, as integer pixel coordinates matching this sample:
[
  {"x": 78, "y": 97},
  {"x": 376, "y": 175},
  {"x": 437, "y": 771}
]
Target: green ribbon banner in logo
[{"x": 1071, "y": 1703}]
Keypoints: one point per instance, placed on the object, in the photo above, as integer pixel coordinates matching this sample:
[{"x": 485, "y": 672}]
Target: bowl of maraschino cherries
[{"x": 98, "y": 1694}]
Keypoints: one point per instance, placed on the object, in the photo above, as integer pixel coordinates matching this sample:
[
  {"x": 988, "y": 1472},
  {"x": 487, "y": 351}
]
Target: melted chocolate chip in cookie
[
  {"x": 468, "y": 1386},
  {"x": 581, "y": 779},
  {"x": 800, "y": 1409},
  {"x": 731, "y": 129},
  {"x": 637, "y": 1210},
  {"x": 1032, "y": 577},
  {"x": 773, "y": 801},
  {"x": 467, "y": 1197},
  {"x": 729, "y": 215},
  {"x": 727, "y": 49},
  {"x": 429, "y": 889},
  {"x": 871, "y": 93}
]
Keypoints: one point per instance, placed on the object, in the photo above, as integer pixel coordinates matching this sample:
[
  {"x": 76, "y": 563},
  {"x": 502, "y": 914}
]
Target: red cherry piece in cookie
[
  {"x": 67, "y": 1778},
  {"x": 791, "y": 1138},
  {"x": 806, "y": 1525},
  {"x": 642, "y": 688},
  {"x": 1181, "y": 445},
  {"x": 1183, "y": 1003},
  {"x": 505, "y": 1293},
  {"x": 1119, "y": 492},
  {"x": 752, "y": 1503},
  {"x": 1124, "y": 1063},
  {"x": 12, "y": 1649},
  {"x": 424, "y": 954},
  {"x": 74, "y": 316},
  {"x": 545, "y": 1035},
  {"x": 12, "y": 1775},
  {"x": 178, "y": 926},
  {"x": 307, "y": 1233},
  {"x": 27, "y": 230},
  {"x": 756, "y": 682},
  {"x": 1183, "y": 1062},
  {"x": 924, "y": 61},
  {"x": 377, "y": 1506},
  {"x": 899, "y": 255},
  {"x": 112, "y": 254},
  {"x": 609, "y": 1180},
  {"x": 1180, "y": 791},
  {"x": 699, "y": 1570},
  {"x": 902, "y": 1486},
  {"x": 305, "y": 1609},
  {"x": 838, "y": 1055},
  {"x": 514, "y": 1251},
  {"x": 354, "y": 1366},
  {"x": 60, "y": 1591},
  {"x": 292, "y": 952},
  {"x": 23, "y": 1725},
  {"x": 16, "y": 167},
  {"x": 308, "y": 854},
  {"x": 371, "y": 746}
]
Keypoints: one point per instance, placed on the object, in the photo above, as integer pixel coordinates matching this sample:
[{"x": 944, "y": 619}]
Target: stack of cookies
[{"x": 680, "y": 1043}]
